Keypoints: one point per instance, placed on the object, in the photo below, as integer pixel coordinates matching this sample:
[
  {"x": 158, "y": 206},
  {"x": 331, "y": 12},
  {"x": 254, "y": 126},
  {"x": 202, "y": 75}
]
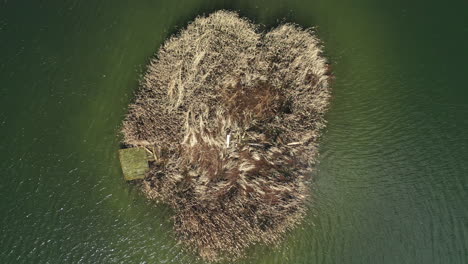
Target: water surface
[{"x": 392, "y": 184}]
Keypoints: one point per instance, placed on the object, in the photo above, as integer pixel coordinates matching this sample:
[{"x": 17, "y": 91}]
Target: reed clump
[{"x": 232, "y": 116}]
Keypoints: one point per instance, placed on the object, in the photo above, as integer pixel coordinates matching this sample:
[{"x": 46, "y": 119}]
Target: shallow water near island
[{"x": 392, "y": 183}]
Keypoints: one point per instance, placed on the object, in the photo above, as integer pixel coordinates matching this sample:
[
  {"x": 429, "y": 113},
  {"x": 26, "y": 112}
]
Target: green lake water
[{"x": 392, "y": 183}]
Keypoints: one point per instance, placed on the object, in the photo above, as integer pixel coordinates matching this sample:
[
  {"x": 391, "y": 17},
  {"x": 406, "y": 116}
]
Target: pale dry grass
[{"x": 233, "y": 117}]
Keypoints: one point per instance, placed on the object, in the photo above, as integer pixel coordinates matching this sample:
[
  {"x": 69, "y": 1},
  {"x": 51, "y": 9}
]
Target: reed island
[{"x": 232, "y": 116}]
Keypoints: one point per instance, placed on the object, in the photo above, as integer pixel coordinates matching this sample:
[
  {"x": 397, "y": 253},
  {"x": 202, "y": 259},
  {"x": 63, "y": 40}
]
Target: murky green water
[{"x": 392, "y": 186}]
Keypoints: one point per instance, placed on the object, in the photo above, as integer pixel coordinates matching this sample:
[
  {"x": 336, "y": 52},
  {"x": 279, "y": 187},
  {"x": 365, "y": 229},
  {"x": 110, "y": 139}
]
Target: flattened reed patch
[{"x": 233, "y": 116}]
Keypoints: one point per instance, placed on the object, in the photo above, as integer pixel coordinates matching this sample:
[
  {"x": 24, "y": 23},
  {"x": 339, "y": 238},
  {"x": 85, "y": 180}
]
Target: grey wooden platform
[{"x": 134, "y": 162}]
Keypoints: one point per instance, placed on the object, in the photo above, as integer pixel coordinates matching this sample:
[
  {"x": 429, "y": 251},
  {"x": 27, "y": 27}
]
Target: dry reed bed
[{"x": 233, "y": 117}]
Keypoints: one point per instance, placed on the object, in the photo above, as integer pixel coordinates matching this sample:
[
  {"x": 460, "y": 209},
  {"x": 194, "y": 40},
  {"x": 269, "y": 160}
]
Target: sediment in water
[{"x": 233, "y": 117}]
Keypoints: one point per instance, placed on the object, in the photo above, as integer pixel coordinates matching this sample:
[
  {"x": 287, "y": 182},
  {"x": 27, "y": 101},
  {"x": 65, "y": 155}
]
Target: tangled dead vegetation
[{"x": 233, "y": 117}]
